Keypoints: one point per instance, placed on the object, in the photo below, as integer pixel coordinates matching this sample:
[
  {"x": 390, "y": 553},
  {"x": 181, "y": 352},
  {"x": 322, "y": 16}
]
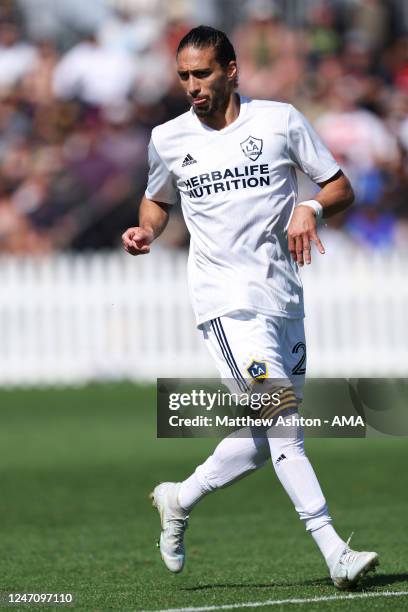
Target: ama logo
[{"x": 252, "y": 147}]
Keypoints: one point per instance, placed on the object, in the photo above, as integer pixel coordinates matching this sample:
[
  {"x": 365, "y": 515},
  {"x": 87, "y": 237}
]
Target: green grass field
[{"x": 76, "y": 469}]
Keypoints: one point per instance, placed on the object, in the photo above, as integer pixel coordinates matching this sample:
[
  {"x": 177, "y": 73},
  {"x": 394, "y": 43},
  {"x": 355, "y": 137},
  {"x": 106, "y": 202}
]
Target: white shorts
[{"x": 248, "y": 346}]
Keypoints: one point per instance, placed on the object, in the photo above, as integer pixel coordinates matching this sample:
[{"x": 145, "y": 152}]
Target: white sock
[
  {"x": 233, "y": 458},
  {"x": 329, "y": 542},
  {"x": 190, "y": 492},
  {"x": 299, "y": 480}
]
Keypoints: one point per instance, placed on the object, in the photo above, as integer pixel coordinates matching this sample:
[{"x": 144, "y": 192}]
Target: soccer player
[{"x": 232, "y": 160}]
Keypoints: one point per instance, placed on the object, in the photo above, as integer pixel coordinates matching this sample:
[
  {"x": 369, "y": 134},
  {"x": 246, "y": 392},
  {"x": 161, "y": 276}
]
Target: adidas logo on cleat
[{"x": 188, "y": 160}]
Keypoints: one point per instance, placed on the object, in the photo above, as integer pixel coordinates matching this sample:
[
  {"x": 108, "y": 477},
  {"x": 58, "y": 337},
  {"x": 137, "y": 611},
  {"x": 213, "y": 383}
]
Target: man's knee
[{"x": 233, "y": 459}]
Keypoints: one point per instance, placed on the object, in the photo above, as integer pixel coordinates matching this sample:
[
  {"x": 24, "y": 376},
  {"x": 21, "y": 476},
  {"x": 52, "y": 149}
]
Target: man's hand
[
  {"x": 301, "y": 232},
  {"x": 137, "y": 240}
]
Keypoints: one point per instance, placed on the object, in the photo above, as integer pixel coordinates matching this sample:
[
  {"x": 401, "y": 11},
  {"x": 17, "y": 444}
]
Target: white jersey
[{"x": 238, "y": 188}]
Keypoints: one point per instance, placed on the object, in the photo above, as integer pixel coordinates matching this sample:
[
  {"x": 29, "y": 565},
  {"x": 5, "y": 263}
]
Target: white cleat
[
  {"x": 174, "y": 521},
  {"x": 351, "y": 566}
]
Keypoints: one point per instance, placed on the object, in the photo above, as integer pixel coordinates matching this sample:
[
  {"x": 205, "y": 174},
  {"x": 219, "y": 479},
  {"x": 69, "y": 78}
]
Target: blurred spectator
[
  {"x": 62, "y": 20},
  {"x": 16, "y": 56},
  {"x": 396, "y": 62},
  {"x": 371, "y": 23},
  {"x": 270, "y": 60},
  {"x": 323, "y": 40},
  {"x": 356, "y": 137},
  {"x": 94, "y": 74},
  {"x": 38, "y": 81},
  {"x": 130, "y": 33}
]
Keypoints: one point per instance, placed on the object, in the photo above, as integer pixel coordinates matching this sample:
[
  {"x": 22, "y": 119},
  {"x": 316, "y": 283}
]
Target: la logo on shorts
[{"x": 258, "y": 370}]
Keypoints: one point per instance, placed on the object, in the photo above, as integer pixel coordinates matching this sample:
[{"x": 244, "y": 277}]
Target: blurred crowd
[{"x": 83, "y": 83}]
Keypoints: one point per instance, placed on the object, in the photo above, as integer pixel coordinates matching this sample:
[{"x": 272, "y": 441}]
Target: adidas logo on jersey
[{"x": 188, "y": 160}]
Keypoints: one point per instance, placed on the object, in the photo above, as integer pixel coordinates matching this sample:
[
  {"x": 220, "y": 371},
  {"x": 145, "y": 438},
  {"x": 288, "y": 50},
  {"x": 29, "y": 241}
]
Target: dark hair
[{"x": 205, "y": 36}]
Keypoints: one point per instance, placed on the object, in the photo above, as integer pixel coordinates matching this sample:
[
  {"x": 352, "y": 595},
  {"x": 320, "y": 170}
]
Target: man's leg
[
  {"x": 238, "y": 454},
  {"x": 288, "y": 455},
  {"x": 299, "y": 480},
  {"x": 234, "y": 457},
  {"x": 297, "y": 476}
]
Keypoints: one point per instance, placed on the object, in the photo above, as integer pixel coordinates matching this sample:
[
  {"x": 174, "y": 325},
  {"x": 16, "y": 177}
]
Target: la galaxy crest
[
  {"x": 258, "y": 370},
  {"x": 252, "y": 147}
]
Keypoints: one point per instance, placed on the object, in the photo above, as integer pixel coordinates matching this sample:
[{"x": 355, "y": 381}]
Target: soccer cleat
[
  {"x": 351, "y": 566},
  {"x": 174, "y": 521}
]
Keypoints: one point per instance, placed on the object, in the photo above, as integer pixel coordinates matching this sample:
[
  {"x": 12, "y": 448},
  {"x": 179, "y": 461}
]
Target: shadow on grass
[
  {"x": 368, "y": 582},
  {"x": 254, "y": 585},
  {"x": 384, "y": 579}
]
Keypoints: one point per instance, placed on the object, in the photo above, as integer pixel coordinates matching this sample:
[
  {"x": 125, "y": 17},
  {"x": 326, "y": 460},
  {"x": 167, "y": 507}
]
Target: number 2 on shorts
[{"x": 300, "y": 367}]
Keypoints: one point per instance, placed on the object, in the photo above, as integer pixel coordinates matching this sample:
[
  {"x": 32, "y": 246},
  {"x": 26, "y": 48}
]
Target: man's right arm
[{"x": 153, "y": 217}]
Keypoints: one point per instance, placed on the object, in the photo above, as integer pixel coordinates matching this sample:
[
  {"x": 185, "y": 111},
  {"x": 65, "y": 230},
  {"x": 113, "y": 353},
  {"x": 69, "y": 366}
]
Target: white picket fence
[{"x": 69, "y": 319}]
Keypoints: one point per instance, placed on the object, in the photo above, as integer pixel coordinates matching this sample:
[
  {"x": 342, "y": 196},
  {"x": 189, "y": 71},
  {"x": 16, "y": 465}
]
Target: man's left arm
[
  {"x": 336, "y": 195},
  {"x": 308, "y": 153}
]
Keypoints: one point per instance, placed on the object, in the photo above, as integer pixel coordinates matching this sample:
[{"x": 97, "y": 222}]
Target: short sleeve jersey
[{"x": 238, "y": 189}]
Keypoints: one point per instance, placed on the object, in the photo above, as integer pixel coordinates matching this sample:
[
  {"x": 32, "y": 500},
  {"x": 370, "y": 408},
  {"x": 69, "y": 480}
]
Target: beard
[
  {"x": 216, "y": 103},
  {"x": 206, "y": 111}
]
